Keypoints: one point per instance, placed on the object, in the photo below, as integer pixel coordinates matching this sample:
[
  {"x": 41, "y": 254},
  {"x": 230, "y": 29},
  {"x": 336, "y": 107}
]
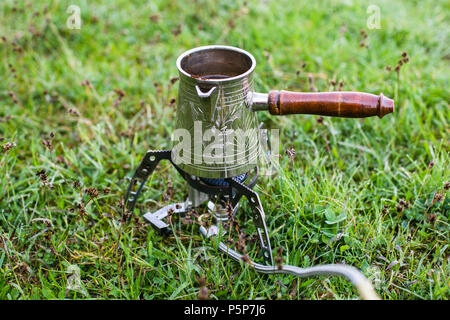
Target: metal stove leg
[
  {"x": 156, "y": 219},
  {"x": 145, "y": 169},
  {"x": 258, "y": 218},
  {"x": 196, "y": 198}
]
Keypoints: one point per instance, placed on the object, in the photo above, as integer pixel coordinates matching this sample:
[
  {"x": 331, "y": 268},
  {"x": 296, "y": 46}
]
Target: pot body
[{"x": 216, "y": 132}]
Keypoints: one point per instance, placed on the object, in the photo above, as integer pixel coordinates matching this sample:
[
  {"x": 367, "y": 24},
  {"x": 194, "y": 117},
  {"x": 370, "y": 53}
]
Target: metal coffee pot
[{"x": 216, "y": 107}]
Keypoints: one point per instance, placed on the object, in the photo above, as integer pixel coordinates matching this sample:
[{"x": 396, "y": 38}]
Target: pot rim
[{"x": 210, "y": 47}]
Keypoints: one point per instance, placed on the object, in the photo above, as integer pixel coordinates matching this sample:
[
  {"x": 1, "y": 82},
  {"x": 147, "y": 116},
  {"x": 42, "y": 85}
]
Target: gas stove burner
[{"x": 222, "y": 182}]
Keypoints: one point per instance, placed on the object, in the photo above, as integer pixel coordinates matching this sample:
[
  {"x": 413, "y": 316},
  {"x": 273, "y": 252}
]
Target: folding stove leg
[
  {"x": 196, "y": 198},
  {"x": 156, "y": 219},
  {"x": 258, "y": 218},
  {"x": 145, "y": 169}
]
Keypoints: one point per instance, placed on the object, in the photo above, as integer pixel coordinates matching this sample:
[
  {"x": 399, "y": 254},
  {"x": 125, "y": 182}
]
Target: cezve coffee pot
[{"x": 216, "y": 99}]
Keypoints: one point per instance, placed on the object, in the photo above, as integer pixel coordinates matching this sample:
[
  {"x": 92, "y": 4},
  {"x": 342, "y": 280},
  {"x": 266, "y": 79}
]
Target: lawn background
[{"x": 369, "y": 193}]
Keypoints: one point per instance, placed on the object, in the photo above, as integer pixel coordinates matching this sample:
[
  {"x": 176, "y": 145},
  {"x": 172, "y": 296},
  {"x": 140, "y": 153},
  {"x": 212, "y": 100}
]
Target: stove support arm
[{"x": 145, "y": 169}]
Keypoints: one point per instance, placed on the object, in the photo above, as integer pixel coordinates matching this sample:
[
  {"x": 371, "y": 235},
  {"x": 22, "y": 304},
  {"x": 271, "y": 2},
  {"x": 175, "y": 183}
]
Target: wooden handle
[{"x": 334, "y": 104}]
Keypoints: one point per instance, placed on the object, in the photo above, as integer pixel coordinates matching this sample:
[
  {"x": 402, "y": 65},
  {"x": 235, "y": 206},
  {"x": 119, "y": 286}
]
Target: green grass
[{"x": 337, "y": 201}]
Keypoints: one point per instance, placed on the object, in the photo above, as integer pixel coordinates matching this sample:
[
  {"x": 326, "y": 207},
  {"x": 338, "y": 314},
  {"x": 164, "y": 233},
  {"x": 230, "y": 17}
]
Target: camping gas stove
[{"x": 222, "y": 197}]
